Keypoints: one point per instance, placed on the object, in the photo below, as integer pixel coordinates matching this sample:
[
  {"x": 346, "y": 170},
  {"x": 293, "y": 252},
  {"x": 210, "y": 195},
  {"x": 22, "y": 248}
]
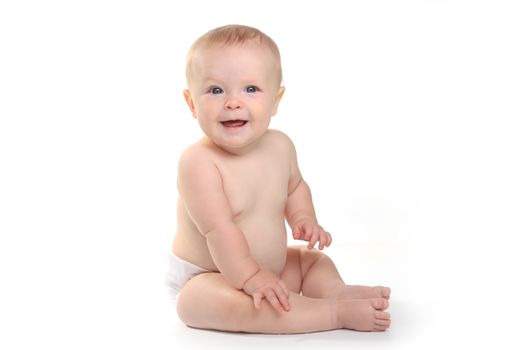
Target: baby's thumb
[
  {"x": 257, "y": 300},
  {"x": 295, "y": 232}
]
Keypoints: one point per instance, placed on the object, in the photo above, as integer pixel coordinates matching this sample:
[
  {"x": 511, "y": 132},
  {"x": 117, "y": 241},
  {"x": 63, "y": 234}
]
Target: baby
[{"x": 231, "y": 268}]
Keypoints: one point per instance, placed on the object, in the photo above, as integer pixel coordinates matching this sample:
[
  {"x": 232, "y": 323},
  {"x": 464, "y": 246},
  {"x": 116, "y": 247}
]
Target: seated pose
[{"x": 231, "y": 268}]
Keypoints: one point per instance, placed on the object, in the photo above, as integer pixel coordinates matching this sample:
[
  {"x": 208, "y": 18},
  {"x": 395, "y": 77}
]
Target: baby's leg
[
  {"x": 318, "y": 277},
  {"x": 207, "y": 301}
]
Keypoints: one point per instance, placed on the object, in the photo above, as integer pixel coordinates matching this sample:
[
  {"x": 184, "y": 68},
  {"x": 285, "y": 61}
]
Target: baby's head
[
  {"x": 232, "y": 35},
  {"x": 234, "y": 85}
]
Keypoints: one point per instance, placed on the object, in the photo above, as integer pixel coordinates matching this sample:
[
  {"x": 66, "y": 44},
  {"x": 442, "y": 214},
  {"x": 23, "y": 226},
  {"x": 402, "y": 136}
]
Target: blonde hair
[{"x": 231, "y": 35}]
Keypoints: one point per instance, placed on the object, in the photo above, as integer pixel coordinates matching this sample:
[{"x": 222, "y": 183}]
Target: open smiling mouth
[{"x": 237, "y": 123}]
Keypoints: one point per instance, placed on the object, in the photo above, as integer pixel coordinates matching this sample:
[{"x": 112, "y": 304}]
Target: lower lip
[{"x": 236, "y": 127}]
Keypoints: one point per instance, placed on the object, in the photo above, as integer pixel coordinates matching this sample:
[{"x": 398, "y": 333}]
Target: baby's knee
[
  {"x": 311, "y": 254},
  {"x": 185, "y": 300},
  {"x": 302, "y": 251},
  {"x": 191, "y": 298},
  {"x": 207, "y": 301}
]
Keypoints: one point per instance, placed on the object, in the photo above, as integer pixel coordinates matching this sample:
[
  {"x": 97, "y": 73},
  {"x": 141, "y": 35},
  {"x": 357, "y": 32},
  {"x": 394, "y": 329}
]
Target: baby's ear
[
  {"x": 278, "y": 98},
  {"x": 189, "y": 101}
]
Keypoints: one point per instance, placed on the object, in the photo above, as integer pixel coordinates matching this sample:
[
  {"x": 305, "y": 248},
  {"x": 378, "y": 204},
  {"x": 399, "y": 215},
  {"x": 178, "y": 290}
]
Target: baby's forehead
[
  {"x": 213, "y": 54},
  {"x": 218, "y": 48},
  {"x": 218, "y": 55}
]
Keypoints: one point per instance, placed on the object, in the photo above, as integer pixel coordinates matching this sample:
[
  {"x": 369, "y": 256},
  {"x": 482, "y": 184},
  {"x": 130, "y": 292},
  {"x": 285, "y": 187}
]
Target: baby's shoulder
[
  {"x": 196, "y": 155},
  {"x": 279, "y": 139}
]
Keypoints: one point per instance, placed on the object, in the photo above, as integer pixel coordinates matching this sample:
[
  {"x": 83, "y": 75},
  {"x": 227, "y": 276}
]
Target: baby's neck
[{"x": 239, "y": 152}]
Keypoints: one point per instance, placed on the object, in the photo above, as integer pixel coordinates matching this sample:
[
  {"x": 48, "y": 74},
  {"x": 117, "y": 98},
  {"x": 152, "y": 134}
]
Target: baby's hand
[
  {"x": 266, "y": 284},
  {"x": 310, "y": 231}
]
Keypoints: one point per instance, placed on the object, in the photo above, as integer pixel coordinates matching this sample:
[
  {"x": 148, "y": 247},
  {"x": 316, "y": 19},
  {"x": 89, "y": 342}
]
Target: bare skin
[
  {"x": 209, "y": 302},
  {"x": 238, "y": 186},
  {"x": 316, "y": 287}
]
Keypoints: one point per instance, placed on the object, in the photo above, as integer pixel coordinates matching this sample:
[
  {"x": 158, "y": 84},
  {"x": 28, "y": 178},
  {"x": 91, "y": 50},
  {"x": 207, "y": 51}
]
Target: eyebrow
[
  {"x": 251, "y": 80},
  {"x": 211, "y": 79}
]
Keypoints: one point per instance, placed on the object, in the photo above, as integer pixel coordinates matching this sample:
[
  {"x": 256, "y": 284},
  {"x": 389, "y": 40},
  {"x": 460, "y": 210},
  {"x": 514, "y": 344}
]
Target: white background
[{"x": 408, "y": 121}]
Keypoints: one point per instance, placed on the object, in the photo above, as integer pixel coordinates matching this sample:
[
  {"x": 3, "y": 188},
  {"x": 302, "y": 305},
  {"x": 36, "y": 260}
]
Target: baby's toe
[
  {"x": 382, "y": 315},
  {"x": 382, "y": 324},
  {"x": 385, "y": 292},
  {"x": 380, "y": 303},
  {"x": 381, "y": 327}
]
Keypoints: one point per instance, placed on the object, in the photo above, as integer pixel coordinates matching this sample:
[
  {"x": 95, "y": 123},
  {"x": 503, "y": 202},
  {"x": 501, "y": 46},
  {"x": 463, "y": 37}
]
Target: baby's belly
[
  {"x": 266, "y": 239},
  {"x": 267, "y": 242}
]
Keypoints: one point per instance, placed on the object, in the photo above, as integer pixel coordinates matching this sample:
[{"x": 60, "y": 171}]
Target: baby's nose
[{"x": 232, "y": 103}]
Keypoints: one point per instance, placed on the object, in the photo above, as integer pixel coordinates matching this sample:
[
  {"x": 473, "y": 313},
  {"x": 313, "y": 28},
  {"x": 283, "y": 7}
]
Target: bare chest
[{"x": 257, "y": 185}]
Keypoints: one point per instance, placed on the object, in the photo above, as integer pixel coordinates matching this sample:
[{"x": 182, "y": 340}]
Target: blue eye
[
  {"x": 251, "y": 89},
  {"x": 215, "y": 90}
]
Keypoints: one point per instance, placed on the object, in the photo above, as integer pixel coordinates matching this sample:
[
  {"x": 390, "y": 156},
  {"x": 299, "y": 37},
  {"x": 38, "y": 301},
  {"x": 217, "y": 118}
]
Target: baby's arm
[
  {"x": 201, "y": 189},
  {"x": 300, "y": 212}
]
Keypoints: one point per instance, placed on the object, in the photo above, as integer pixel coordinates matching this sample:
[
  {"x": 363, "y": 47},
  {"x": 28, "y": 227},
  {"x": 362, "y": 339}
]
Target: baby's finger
[
  {"x": 313, "y": 239},
  {"x": 272, "y": 299},
  {"x": 308, "y": 231},
  {"x": 328, "y": 239},
  {"x": 283, "y": 298},
  {"x": 284, "y": 287},
  {"x": 257, "y": 298},
  {"x": 322, "y": 240},
  {"x": 296, "y": 233}
]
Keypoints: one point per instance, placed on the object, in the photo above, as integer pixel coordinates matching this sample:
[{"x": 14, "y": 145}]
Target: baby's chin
[{"x": 237, "y": 144}]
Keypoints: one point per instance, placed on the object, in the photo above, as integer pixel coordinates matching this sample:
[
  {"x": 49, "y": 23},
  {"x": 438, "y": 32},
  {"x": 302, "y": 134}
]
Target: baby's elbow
[
  {"x": 218, "y": 228},
  {"x": 295, "y": 185}
]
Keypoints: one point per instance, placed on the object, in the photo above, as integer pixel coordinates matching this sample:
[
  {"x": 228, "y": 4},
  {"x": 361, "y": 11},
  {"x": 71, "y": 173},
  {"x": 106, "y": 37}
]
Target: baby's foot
[
  {"x": 362, "y": 292},
  {"x": 363, "y": 314}
]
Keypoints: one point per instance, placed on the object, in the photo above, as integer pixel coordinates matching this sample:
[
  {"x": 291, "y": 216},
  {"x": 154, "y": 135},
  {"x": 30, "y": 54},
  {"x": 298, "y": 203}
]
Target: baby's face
[{"x": 233, "y": 93}]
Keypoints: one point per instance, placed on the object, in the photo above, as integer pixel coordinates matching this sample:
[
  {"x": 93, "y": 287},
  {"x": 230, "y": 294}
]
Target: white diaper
[{"x": 179, "y": 273}]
